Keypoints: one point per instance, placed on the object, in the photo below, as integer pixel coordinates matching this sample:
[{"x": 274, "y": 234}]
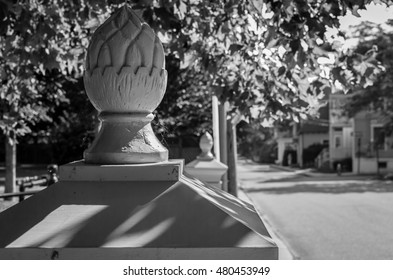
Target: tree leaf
[
  {"x": 281, "y": 70},
  {"x": 234, "y": 48}
]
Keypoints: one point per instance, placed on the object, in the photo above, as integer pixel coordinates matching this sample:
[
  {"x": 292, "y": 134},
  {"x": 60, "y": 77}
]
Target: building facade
[
  {"x": 340, "y": 133},
  {"x": 362, "y": 138}
]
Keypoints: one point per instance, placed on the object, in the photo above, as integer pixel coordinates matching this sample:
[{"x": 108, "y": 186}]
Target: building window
[
  {"x": 378, "y": 137},
  {"x": 337, "y": 141},
  {"x": 382, "y": 164}
]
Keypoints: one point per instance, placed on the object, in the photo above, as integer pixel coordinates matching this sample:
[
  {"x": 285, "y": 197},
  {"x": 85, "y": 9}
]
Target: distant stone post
[{"x": 206, "y": 167}]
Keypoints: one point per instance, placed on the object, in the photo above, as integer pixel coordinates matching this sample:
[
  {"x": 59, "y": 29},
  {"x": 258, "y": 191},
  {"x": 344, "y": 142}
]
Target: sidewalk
[
  {"x": 283, "y": 252},
  {"x": 250, "y": 172}
]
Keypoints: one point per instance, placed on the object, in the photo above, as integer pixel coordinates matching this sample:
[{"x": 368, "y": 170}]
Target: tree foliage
[
  {"x": 261, "y": 56},
  {"x": 379, "y": 94},
  {"x": 257, "y": 142},
  {"x": 41, "y": 47}
]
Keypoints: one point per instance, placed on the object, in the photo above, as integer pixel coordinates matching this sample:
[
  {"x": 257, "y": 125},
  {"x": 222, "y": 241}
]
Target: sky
[{"x": 374, "y": 13}]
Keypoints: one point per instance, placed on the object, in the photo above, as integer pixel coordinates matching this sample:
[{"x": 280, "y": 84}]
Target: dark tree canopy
[{"x": 261, "y": 56}]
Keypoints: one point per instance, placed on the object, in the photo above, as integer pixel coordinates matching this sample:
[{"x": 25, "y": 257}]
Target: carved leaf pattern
[
  {"x": 124, "y": 40},
  {"x": 125, "y": 65}
]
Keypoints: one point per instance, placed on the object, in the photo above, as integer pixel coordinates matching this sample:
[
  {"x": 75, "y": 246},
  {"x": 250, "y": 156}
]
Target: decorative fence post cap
[
  {"x": 125, "y": 80},
  {"x": 206, "y": 167},
  {"x": 125, "y": 65},
  {"x": 206, "y": 144}
]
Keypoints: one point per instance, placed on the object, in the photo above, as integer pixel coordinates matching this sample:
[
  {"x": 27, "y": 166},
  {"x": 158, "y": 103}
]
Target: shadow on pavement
[
  {"x": 264, "y": 170},
  {"x": 328, "y": 187}
]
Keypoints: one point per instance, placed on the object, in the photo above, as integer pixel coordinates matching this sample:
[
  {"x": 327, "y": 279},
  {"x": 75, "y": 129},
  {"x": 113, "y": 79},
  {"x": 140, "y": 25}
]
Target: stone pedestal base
[
  {"x": 124, "y": 139},
  {"x": 143, "y": 211}
]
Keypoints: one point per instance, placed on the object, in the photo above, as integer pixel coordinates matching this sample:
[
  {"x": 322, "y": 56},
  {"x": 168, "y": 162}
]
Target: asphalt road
[{"x": 324, "y": 216}]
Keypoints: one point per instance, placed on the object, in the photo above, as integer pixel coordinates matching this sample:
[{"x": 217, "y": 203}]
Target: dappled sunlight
[
  {"x": 68, "y": 214},
  {"x": 138, "y": 214},
  {"x": 228, "y": 222},
  {"x": 217, "y": 193},
  {"x": 75, "y": 217},
  {"x": 238, "y": 209},
  {"x": 131, "y": 222},
  {"x": 138, "y": 239}
]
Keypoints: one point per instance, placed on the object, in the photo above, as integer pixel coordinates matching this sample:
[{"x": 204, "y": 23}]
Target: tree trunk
[
  {"x": 232, "y": 158},
  {"x": 10, "y": 165}
]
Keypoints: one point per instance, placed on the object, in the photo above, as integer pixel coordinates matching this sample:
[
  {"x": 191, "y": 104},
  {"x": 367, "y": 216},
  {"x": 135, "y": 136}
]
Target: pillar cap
[
  {"x": 125, "y": 80},
  {"x": 206, "y": 144},
  {"x": 125, "y": 65},
  {"x": 206, "y": 167}
]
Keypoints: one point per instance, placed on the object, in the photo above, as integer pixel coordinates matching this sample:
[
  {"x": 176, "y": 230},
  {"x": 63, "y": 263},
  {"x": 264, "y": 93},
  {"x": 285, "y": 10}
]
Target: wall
[
  {"x": 362, "y": 132},
  {"x": 369, "y": 165},
  {"x": 346, "y": 142},
  {"x": 340, "y": 126},
  {"x": 281, "y": 145},
  {"x": 306, "y": 140},
  {"x": 313, "y": 138}
]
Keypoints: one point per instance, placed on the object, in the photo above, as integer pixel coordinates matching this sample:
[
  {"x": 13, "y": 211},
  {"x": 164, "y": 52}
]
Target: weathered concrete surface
[
  {"x": 143, "y": 219},
  {"x": 326, "y": 217}
]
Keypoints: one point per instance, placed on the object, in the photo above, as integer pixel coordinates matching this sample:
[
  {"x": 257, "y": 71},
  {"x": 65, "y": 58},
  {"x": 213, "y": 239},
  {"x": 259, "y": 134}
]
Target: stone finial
[
  {"x": 125, "y": 79},
  {"x": 206, "y": 144},
  {"x": 205, "y": 167}
]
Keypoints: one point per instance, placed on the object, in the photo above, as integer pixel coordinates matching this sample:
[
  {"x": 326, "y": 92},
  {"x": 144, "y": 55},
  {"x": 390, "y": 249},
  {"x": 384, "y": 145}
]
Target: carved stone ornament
[
  {"x": 206, "y": 144},
  {"x": 125, "y": 79}
]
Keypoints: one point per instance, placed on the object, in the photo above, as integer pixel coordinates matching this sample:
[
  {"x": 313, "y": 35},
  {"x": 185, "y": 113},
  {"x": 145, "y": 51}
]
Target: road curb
[{"x": 284, "y": 252}]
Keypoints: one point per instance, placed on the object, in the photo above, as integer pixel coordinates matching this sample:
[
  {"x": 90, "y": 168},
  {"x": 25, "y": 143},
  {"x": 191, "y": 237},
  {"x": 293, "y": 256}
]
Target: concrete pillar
[
  {"x": 216, "y": 127},
  {"x": 126, "y": 200},
  {"x": 206, "y": 167}
]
